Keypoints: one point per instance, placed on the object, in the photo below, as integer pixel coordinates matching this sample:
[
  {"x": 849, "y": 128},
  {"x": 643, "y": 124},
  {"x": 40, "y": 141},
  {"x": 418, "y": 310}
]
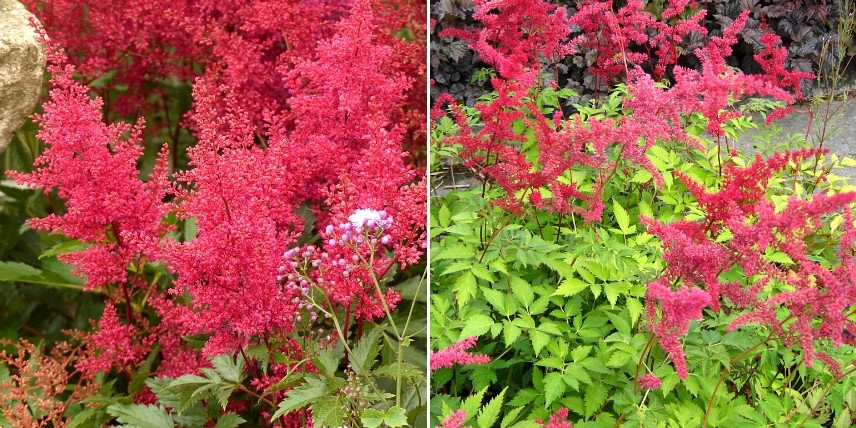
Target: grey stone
[{"x": 22, "y": 64}]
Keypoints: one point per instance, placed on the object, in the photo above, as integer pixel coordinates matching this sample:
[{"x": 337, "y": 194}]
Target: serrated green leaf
[
  {"x": 229, "y": 420},
  {"x": 365, "y": 353},
  {"x": 621, "y": 216},
  {"x": 482, "y": 272},
  {"x": 490, "y": 412},
  {"x": 65, "y": 247},
  {"x": 539, "y": 340},
  {"x": 141, "y": 415},
  {"x": 84, "y": 416},
  {"x": 612, "y": 292},
  {"x": 635, "y": 308},
  {"x": 580, "y": 352},
  {"x": 11, "y": 271},
  {"x": 311, "y": 391},
  {"x": 570, "y": 286},
  {"x": 327, "y": 412},
  {"x": 471, "y": 405},
  {"x": 190, "y": 389},
  {"x": 596, "y": 395},
  {"x": 779, "y": 257},
  {"x": 641, "y": 176},
  {"x": 510, "y": 417},
  {"x": 229, "y": 368},
  {"x": 395, "y": 417},
  {"x": 521, "y": 290},
  {"x": 408, "y": 371},
  {"x": 554, "y": 387},
  {"x": 476, "y": 325},
  {"x": 444, "y": 216},
  {"x": 496, "y": 299},
  {"x": 465, "y": 288},
  {"x": 287, "y": 382},
  {"x": 510, "y": 333},
  {"x": 372, "y": 418},
  {"x": 326, "y": 362}
]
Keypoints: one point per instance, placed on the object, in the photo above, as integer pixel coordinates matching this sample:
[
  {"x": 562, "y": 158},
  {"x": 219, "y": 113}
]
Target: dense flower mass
[{"x": 303, "y": 115}]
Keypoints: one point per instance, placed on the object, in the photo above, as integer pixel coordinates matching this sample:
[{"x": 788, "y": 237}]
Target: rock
[{"x": 22, "y": 64}]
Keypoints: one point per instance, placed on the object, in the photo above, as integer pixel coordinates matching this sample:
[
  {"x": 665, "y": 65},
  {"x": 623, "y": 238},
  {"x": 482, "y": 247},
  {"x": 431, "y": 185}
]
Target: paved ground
[{"x": 840, "y": 131}]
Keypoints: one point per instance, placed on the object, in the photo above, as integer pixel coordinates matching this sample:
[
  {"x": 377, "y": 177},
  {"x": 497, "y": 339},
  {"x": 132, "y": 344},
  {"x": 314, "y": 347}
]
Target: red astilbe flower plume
[
  {"x": 244, "y": 200},
  {"x": 740, "y": 227},
  {"x": 677, "y": 309},
  {"x": 621, "y": 38},
  {"x": 650, "y": 381},
  {"x": 135, "y": 40},
  {"x": 116, "y": 345},
  {"x": 516, "y": 35}
]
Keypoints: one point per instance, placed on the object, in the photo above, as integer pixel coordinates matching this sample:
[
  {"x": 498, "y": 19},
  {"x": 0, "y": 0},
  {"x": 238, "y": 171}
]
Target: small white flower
[{"x": 362, "y": 217}]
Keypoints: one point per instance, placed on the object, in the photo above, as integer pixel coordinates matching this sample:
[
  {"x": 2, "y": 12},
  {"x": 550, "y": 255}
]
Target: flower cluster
[
  {"x": 740, "y": 228},
  {"x": 516, "y": 35},
  {"x": 349, "y": 266},
  {"x": 454, "y": 420},
  {"x": 619, "y": 39},
  {"x": 456, "y": 353},
  {"x": 38, "y": 388}
]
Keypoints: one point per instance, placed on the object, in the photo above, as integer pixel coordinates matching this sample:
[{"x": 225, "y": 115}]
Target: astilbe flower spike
[
  {"x": 93, "y": 167},
  {"x": 38, "y": 388},
  {"x": 456, "y": 353},
  {"x": 516, "y": 35}
]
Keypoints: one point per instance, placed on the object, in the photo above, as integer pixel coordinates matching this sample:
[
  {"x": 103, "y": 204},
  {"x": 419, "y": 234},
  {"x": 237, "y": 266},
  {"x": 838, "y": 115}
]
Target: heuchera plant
[
  {"x": 238, "y": 283},
  {"x": 752, "y": 256}
]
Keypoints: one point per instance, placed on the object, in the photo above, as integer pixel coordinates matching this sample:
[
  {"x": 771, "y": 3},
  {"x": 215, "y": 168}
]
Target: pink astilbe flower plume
[
  {"x": 456, "y": 353},
  {"x": 93, "y": 167}
]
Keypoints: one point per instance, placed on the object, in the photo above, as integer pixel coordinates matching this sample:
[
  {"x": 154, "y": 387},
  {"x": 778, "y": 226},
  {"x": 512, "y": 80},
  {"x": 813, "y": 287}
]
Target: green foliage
[
  {"x": 558, "y": 304},
  {"x": 342, "y": 394}
]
